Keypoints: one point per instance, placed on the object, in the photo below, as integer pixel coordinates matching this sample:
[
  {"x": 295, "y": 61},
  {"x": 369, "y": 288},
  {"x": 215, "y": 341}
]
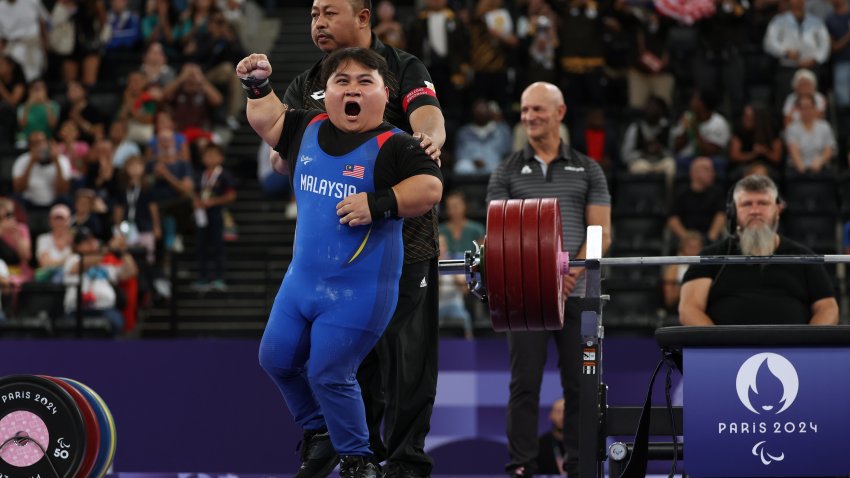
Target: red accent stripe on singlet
[
  {"x": 383, "y": 137},
  {"x": 319, "y": 117}
]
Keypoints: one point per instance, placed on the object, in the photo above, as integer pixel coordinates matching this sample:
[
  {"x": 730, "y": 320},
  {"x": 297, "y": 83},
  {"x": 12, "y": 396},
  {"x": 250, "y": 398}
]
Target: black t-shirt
[
  {"x": 399, "y": 158},
  {"x": 696, "y": 210},
  {"x": 413, "y": 89},
  {"x": 761, "y": 293},
  {"x": 413, "y": 86},
  {"x": 218, "y": 185}
]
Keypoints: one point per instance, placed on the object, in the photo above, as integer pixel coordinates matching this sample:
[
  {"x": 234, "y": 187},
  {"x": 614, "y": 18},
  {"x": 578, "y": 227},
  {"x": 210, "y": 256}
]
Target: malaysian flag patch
[{"x": 354, "y": 171}]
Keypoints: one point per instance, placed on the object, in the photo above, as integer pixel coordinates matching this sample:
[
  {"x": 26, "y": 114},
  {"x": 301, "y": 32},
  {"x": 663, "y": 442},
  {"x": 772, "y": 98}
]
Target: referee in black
[
  {"x": 399, "y": 378},
  {"x": 546, "y": 168}
]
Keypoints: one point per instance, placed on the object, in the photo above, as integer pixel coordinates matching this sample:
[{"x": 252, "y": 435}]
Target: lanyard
[{"x": 133, "y": 199}]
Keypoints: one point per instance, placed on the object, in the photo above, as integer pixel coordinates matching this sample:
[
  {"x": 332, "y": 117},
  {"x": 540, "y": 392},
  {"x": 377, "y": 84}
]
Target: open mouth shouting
[{"x": 352, "y": 109}]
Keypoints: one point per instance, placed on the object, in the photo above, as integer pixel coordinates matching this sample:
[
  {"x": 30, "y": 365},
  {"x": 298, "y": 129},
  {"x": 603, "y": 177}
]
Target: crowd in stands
[{"x": 113, "y": 119}]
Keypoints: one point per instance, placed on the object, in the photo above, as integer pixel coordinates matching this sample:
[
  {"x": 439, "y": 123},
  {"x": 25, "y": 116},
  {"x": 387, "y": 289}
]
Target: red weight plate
[
  {"x": 92, "y": 429},
  {"x": 531, "y": 264},
  {"x": 494, "y": 266},
  {"x": 512, "y": 242},
  {"x": 551, "y": 282}
]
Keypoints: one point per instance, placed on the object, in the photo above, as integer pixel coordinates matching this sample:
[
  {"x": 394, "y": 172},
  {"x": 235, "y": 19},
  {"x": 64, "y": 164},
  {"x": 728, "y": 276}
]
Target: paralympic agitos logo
[{"x": 767, "y": 385}]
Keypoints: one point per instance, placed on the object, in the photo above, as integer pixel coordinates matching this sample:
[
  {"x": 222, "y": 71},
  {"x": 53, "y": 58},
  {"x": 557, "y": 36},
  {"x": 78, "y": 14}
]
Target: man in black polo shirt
[
  {"x": 758, "y": 293},
  {"x": 548, "y": 168},
  {"x": 399, "y": 377}
]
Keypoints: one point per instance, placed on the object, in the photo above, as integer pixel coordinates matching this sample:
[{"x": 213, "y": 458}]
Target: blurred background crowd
[{"x": 120, "y": 126}]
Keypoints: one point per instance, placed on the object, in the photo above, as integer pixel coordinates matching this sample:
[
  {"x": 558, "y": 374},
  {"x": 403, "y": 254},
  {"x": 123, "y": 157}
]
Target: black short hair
[
  {"x": 363, "y": 56},
  {"x": 212, "y": 147},
  {"x": 709, "y": 98}
]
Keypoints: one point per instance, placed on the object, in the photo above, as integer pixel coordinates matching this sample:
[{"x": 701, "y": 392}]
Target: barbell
[{"x": 519, "y": 273}]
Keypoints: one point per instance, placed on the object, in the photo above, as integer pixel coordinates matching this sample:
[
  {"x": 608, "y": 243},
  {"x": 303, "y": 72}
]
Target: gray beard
[{"x": 758, "y": 241}]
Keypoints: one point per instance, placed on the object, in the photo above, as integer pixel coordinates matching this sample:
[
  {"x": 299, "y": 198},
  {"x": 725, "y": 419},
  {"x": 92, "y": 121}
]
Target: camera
[{"x": 44, "y": 157}]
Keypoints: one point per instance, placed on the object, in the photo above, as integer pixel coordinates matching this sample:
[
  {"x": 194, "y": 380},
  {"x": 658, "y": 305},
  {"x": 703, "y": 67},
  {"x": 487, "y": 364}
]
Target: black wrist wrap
[
  {"x": 254, "y": 88},
  {"x": 382, "y": 204}
]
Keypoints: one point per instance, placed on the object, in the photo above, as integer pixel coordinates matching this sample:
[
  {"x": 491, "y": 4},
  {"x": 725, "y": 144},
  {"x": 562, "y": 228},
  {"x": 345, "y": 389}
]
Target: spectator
[
  {"x": 232, "y": 11},
  {"x": 23, "y": 23},
  {"x": 70, "y": 145},
  {"x": 671, "y": 275},
  {"x": 87, "y": 213},
  {"x": 646, "y": 142},
  {"x": 701, "y": 132},
  {"x": 124, "y": 148},
  {"x": 124, "y": 27},
  {"x": 217, "y": 50},
  {"x": 838, "y": 25},
  {"x": 135, "y": 213},
  {"x": 598, "y": 141},
  {"x": 41, "y": 175},
  {"x": 164, "y": 121},
  {"x": 194, "y": 21},
  {"x": 38, "y": 113},
  {"x": 89, "y": 23},
  {"x": 138, "y": 108},
  {"x": 440, "y": 39},
  {"x": 53, "y": 248},
  {"x": 101, "y": 272},
  {"x": 15, "y": 244},
  {"x": 159, "y": 25},
  {"x": 90, "y": 121},
  {"x": 701, "y": 206},
  {"x": 12, "y": 90},
  {"x": 492, "y": 39},
  {"x": 5, "y": 286},
  {"x": 172, "y": 189},
  {"x": 193, "y": 101},
  {"x": 650, "y": 74},
  {"x": 60, "y": 39},
  {"x": 537, "y": 30},
  {"x": 388, "y": 29},
  {"x": 550, "y": 457},
  {"x": 582, "y": 54},
  {"x": 100, "y": 177},
  {"x": 155, "y": 66},
  {"x": 452, "y": 290},
  {"x": 484, "y": 143},
  {"x": 810, "y": 142},
  {"x": 754, "y": 141},
  {"x": 719, "y": 63},
  {"x": 804, "y": 83},
  {"x": 215, "y": 189},
  {"x": 273, "y": 176},
  {"x": 797, "y": 40},
  {"x": 458, "y": 230}
]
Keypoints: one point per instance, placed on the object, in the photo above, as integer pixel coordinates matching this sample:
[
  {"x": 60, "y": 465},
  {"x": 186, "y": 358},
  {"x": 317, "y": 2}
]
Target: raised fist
[{"x": 255, "y": 65}]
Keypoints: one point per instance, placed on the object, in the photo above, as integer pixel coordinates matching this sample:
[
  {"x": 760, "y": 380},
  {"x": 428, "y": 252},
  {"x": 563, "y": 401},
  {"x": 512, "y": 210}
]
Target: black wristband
[
  {"x": 382, "y": 204},
  {"x": 254, "y": 88}
]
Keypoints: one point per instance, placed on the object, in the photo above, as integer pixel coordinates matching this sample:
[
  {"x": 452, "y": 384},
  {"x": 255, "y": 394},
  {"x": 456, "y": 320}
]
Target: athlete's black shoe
[
  {"x": 358, "y": 467},
  {"x": 318, "y": 457}
]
